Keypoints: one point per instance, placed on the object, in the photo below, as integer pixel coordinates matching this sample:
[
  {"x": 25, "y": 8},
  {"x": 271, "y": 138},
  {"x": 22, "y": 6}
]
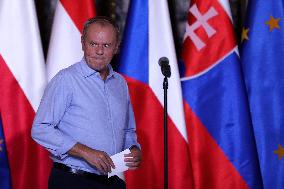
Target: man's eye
[
  {"x": 92, "y": 44},
  {"x": 107, "y": 45}
]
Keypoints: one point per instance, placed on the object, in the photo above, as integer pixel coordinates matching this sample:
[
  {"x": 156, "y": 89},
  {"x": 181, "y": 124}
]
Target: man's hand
[
  {"x": 133, "y": 159},
  {"x": 97, "y": 158},
  {"x": 100, "y": 160}
]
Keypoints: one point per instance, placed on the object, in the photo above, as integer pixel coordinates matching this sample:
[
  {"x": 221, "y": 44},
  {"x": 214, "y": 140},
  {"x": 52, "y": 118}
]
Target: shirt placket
[{"x": 110, "y": 119}]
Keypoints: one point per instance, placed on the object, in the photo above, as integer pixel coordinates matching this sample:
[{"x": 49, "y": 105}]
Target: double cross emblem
[{"x": 201, "y": 20}]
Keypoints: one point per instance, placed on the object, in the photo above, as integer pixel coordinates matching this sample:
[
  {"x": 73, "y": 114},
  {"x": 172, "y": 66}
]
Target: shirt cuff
[
  {"x": 134, "y": 144},
  {"x": 68, "y": 143}
]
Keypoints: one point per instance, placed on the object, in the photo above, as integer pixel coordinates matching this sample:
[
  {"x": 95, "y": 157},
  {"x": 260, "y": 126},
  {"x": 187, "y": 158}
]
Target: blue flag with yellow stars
[
  {"x": 5, "y": 181},
  {"x": 262, "y": 55}
]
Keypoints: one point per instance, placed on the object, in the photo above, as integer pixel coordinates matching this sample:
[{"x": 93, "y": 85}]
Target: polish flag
[
  {"x": 147, "y": 38},
  {"x": 65, "y": 41},
  {"x": 22, "y": 80}
]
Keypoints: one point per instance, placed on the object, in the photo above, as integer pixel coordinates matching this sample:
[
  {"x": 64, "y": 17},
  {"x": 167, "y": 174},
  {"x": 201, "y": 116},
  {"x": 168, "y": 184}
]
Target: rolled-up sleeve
[
  {"x": 130, "y": 136},
  {"x": 56, "y": 100}
]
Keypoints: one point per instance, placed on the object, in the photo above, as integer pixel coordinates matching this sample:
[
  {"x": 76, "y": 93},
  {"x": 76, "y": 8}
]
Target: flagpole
[{"x": 165, "y": 87}]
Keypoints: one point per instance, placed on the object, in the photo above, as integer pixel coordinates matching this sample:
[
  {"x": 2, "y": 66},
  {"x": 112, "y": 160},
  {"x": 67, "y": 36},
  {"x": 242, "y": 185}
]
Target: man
[{"x": 85, "y": 115}]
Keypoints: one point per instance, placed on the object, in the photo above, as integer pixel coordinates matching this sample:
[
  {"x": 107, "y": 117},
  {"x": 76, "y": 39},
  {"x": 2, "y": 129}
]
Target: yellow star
[
  {"x": 245, "y": 34},
  {"x": 273, "y": 23},
  {"x": 1, "y": 142},
  {"x": 279, "y": 152}
]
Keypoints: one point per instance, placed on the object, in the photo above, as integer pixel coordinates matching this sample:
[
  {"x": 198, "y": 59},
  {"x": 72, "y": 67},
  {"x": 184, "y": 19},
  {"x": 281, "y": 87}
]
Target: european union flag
[
  {"x": 262, "y": 57},
  {"x": 5, "y": 181}
]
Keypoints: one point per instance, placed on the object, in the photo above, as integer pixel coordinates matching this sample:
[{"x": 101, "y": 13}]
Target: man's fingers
[
  {"x": 110, "y": 162},
  {"x": 133, "y": 165},
  {"x": 128, "y": 155},
  {"x": 106, "y": 162},
  {"x": 100, "y": 168},
  {"x": 132, "y": 162},
  {"x": 131, "y": 159},
  {"x": 102, "y": 161},
  {"x": 105, "y": 166}
]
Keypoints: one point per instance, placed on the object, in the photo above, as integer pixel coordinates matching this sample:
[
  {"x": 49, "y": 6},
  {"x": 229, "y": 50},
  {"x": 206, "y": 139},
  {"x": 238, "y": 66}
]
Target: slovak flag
[
  {"x": 23, "y": 164},
  {"x": 147, "y": 38},
  {"x": 221, "y": 140},
  {"x": 65, "y": 41}
]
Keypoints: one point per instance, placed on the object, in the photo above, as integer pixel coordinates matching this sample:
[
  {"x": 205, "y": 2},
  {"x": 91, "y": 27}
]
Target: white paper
[{"x": 120, "y": 164}]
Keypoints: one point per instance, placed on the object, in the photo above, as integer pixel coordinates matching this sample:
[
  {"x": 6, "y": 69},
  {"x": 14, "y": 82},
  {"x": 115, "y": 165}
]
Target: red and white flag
[
  {"x": 22, "y": 80},
  {"x": 147, "y": 38},
  {"x": 65, "y": 41}
]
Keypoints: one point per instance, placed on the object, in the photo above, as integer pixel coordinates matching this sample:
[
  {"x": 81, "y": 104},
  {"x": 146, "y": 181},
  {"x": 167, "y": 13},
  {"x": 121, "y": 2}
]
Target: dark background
[{"x": 117, "y": 9}]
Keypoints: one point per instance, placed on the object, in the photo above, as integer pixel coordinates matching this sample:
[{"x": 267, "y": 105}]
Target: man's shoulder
[
  {"x": 119, "y": 77},
  {"x": 65, "y": 73},
  {"x": 73, "y": 67}
]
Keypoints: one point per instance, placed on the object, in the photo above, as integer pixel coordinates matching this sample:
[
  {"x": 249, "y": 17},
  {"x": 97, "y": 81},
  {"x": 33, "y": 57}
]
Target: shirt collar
[{"x": 87, "y": 71}]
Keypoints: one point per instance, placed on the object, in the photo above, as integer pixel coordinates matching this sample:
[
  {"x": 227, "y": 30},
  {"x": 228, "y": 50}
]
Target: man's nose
[{"x": 99, "y": 50}]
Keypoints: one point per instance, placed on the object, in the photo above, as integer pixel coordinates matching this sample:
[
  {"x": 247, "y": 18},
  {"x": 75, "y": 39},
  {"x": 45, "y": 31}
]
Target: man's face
[{"x": 99, "y": 45}]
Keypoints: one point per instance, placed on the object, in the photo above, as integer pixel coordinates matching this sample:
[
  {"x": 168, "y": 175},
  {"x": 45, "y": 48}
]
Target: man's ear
[
  {"x": 116, "y": 51},
  {"x": 82, "y": 43}
]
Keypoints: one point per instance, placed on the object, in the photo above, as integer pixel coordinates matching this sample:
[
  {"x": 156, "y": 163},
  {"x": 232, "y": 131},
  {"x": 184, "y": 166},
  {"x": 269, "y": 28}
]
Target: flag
[
  {"x": 262, "y": 58},
  {"x": 22, "y": 80},
  {"x": 147, "y": 38},
  {"x": 221, "y": 140},
  {"x": 65, "y": 41}
]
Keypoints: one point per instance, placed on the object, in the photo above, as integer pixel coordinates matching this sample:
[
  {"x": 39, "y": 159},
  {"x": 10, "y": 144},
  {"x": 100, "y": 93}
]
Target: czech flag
[{"x": 147, "y": 38}]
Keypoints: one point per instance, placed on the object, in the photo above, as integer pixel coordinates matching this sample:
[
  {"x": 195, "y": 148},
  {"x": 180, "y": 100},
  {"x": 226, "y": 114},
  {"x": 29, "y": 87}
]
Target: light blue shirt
[{"x": 78, "y": 106}]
